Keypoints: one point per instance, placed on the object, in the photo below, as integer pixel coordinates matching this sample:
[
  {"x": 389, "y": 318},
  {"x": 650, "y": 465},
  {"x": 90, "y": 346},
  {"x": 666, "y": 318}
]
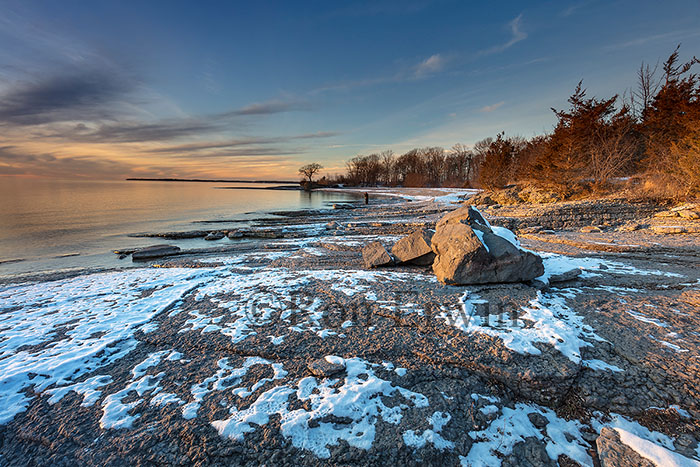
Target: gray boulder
[
  {"x": 155, "y": 251},
  {"x": 415, "y": 248},
  {"x": 469, "y": 252},
  {"x": 375, "y": 255}
]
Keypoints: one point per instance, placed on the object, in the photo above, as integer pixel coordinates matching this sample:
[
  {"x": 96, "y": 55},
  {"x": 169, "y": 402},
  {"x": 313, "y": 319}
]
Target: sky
[{"x": 254, "y": 90}]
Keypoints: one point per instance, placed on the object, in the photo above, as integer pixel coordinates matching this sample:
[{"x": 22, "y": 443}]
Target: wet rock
[
  {"x": 326, "y": 367},
  {"x": 234, "y": 234},
  {"x": 612, "y": 452},
  {"x": 214, "y": 236},
  {"x": 469, "y": 252},
  {"x": 375, "y": 255},
  {"x": 125, "y": 251},
  {"x": 415, "y": 248},
  {"x": 154, "y": 251}
]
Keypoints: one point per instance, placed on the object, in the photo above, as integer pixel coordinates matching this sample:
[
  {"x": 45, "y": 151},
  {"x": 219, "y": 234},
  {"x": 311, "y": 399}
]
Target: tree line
[{"x": 649, "y": 137}]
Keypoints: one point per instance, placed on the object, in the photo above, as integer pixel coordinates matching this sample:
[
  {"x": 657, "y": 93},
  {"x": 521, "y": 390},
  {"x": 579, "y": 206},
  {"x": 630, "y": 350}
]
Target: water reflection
[{"x": 43, "y": 219}]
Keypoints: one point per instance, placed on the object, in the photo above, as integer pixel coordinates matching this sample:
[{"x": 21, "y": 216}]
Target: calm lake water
[{"x": 55, "y": 225}]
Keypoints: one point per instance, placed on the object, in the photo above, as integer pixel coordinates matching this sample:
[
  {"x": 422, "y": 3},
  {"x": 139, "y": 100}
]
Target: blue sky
[{"x": 255, "y": 89}]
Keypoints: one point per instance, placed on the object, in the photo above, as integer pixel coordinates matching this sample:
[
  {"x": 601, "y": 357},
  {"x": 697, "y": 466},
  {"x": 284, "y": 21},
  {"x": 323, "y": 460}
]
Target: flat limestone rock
[
  {"x": 669, "y": 229},
  {"x": 154, "y": 251},
  {"x": 415, "y": 248},
  {"x": 375, "y": 255},
  {"x": 612, "y": 452}
]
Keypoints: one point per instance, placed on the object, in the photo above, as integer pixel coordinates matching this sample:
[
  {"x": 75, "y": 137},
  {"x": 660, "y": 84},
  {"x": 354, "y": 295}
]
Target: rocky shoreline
[{"x": 280, "y": 347}]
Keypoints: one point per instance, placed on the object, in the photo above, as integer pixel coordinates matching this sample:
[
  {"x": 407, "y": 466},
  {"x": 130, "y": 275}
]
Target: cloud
[
  {"x": 517, "y": 35},
  {"x": 84, "y": 94},
  {"x": 671, "y": 37},
  {"x": 240, "y": 142},
  {"x": 492, "y": 107},
  {"x": 13, "y": 162},
  {"x": 271, "y": 107},
  {"x": 433, "y": 64},
  {"x": 139, "y": 132}
]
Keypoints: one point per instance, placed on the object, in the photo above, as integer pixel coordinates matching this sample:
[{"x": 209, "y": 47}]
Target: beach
[{"x": 278, "y": 346}]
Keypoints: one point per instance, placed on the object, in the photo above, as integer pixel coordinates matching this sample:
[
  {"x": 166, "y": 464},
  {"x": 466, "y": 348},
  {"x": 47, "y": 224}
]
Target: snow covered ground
[{"x": 84, "y": 336}]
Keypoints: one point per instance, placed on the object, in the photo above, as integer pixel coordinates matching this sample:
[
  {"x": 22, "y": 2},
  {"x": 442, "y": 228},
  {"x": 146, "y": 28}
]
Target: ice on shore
[
  {"x": 546, "y": 320},
  {"x": 592, "y": 267},
  {"x": 437, "y": 422},
  {"x": 657, "y": 447},
  {"x": 357, "y": 398},
  {"x": 513, "y": 426},
  {"x": 53, "y": 333}
]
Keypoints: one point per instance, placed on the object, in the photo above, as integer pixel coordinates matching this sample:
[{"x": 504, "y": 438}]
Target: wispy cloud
[
  {"x": 517, "y": 35},
  {"x": 239, "y": 142},
  {"x": 672, "y": 36},
  {"x": 492, "y": 107},
  {"x": 14, "y": 162},
  {"x": 271, "y": 107},
  {"x": 433, "y": 64},
  {"x": 577, "y": 5}
]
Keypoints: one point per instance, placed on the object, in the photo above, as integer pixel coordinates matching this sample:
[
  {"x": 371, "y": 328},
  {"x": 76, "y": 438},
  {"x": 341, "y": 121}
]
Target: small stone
[
  {"x": 233, "y": 234},
  {"x": 565, "y": 276},
  {"x": 214, "y": 236},
  {"x": 590, "y": 229},
  {"x": 538, "y": 420},
  {"x": 324, "y": 368}
]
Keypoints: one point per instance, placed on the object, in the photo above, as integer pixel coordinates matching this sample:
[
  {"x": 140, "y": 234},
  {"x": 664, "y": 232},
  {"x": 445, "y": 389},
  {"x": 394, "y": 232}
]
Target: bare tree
[
  {"x": 647, "y": 87},
  {"x": 309, "y": 170}
]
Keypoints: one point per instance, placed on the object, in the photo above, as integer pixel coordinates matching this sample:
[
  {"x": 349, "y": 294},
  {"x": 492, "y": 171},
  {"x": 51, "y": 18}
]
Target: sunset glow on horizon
[{"x": 240, "y": 91}]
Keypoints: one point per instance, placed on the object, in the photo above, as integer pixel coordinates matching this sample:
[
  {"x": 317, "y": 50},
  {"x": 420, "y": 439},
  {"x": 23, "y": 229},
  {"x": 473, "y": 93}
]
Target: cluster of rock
[
  {"x": 685, "y": 211},
  {"x": 463, "y": 249},
  {"x": 515, "y": 195},
  {"x": 573, "y": 215}
]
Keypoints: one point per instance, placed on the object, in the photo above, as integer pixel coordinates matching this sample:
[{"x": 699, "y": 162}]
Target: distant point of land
[{"x": 209, "y": 181}]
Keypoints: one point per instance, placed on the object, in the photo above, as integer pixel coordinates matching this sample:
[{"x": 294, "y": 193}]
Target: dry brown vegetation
[{"x": 649, "y": 141}]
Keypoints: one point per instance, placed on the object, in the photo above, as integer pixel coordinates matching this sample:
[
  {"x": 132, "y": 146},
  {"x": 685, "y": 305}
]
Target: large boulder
[
  {"x": 468, "y": 251},
  {"x": 155, "y": 251},
  {"x": 415, "y": 248},
  {"x": 375, "y": 255}
]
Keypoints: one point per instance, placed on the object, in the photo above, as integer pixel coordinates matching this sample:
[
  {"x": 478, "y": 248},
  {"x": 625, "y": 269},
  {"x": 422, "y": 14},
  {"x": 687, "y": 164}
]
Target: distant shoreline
[{"x": 201, "y": 180}]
